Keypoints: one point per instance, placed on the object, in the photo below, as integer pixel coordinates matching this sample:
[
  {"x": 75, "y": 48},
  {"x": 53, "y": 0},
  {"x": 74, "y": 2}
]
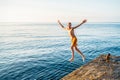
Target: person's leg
[
  {"x": 72, "y": 49},
  {"x": 72, "y": 58},
  {"x": 83, "y": 57}
]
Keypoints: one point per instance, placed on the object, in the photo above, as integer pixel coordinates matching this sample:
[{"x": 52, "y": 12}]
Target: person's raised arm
[
  {"x": 61, "y": 24},
  {"x": 80, "y": 24}
]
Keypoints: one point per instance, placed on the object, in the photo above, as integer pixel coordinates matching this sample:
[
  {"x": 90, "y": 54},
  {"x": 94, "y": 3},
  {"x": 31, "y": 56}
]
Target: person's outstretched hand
[
  {"x": 58, "y": 21},
  {"x": 84, "y": 21}
]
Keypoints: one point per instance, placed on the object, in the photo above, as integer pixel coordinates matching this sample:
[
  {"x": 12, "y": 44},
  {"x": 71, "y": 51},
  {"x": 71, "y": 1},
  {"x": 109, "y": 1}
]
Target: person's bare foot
[
  {"x": 83, "y": 58},
  {"x": 72, "y": 59}
]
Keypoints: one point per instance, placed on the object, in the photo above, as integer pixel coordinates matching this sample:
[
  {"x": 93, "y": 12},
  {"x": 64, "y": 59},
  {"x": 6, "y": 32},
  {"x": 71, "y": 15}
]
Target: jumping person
[{"x": 73, "y": 38}]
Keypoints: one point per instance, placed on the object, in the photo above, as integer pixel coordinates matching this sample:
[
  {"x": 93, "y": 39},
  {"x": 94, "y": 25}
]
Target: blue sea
[{"x": 40, "y": 51}]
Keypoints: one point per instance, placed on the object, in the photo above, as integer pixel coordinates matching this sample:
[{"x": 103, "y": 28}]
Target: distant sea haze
[{"x": 42, "y": 52}]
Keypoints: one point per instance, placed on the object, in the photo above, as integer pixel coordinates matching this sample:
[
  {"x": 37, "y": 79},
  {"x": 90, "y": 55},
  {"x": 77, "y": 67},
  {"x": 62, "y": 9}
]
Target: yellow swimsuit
[{"x": 74, "y": 41}]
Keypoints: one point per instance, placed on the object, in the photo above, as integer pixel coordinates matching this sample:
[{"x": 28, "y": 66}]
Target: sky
[{"x": 64, "y": 10}]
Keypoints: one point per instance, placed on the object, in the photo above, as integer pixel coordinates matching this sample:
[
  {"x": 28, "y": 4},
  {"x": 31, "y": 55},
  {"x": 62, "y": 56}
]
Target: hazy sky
[{"x": 65, "y": 10}]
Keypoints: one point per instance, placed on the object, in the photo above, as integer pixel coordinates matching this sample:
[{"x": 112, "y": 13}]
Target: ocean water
[{"x": 41, "y": 51}]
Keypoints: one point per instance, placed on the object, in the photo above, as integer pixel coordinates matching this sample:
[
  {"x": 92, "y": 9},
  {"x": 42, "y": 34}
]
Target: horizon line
[{"x": 62, "y": 22}]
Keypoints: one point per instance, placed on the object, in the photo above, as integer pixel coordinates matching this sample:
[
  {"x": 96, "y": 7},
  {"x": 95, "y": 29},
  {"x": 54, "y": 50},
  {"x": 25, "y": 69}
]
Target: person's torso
[{"x": 71, "y": 32}]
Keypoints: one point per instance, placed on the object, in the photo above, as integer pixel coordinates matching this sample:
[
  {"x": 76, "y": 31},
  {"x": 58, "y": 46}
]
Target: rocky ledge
[{"x": 104, "y": 67}]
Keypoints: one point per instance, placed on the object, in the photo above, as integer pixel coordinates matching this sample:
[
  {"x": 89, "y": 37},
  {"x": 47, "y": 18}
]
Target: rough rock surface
[{"x": 98, "y": 69}]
